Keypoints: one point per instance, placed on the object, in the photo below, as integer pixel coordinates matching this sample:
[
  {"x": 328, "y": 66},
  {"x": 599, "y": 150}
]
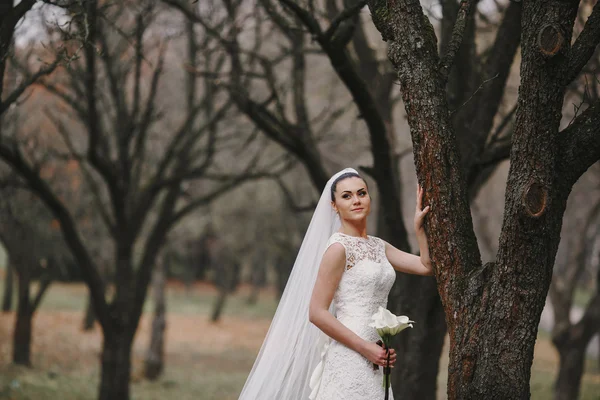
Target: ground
[{"x": 203, "y": 360}]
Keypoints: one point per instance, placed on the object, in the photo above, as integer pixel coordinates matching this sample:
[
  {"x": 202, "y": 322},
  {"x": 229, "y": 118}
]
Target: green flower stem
[{"x": 387, "y": 369}]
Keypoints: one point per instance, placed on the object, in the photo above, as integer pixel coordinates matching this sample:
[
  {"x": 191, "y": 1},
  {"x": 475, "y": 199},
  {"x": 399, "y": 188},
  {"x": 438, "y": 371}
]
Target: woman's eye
[
  {"x": 346, "y": 196},
  {"x": 363, "y": 194}
]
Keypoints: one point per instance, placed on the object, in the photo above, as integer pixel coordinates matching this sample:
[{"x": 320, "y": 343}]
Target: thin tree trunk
[
  {"x": 22, "y": 331},
  {"x": 90, "y": 315},
  {"x": 572, "y": 361},
  {"x": 421, "y": 347},
  {"x": 219, "y": 305},
  {"x": 155, "y": 354},
  {"x": 8, "y": 289},
  {"x": 116, "y": 366}
]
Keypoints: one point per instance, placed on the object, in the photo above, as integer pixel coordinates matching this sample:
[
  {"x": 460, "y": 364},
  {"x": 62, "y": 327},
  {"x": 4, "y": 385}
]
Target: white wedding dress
[{"x": 344, "y": 374}]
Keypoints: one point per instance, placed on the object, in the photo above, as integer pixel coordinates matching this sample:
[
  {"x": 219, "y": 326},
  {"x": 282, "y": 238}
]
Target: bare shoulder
[
  {"x": 335, "y": 252},
  {"x": 386, "y": 244},
  {"x": 390, "y": 248}
]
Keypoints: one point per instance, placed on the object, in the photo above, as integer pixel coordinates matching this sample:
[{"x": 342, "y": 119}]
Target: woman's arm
[
  {"x": 406, "y": 262},
  {"x": 330, "y": 273}
]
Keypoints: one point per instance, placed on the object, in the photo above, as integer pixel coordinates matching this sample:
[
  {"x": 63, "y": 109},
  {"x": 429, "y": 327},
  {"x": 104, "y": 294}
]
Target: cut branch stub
[
  {"x": 534, "y": 199},
  {"x": 550, "y": 40}
]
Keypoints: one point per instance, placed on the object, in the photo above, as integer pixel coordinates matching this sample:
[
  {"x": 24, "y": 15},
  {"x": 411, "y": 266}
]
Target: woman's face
[{"x": 352, "y": 200}]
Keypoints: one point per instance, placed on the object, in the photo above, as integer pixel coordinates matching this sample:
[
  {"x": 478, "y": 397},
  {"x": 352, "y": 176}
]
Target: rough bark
[
  {"x": 8, "y": 289},
  {"x": 535, "y": 202},
  {"x": 156, "y": 350},
  {"x": 438, "y": 164},
  {"x": 492, "y": 311}
]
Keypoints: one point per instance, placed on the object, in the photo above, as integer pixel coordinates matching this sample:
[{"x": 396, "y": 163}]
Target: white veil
[{"x": 291, "y": 349}]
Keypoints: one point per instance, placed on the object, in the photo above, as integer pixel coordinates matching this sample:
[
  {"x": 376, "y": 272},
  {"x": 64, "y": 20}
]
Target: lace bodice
[
  {"x": 363, "y": 288},
  {"x": 365, "y": 284}
]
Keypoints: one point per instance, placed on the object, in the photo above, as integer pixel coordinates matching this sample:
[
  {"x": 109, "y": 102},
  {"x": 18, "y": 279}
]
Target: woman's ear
[{"x": 334, "y": 206}]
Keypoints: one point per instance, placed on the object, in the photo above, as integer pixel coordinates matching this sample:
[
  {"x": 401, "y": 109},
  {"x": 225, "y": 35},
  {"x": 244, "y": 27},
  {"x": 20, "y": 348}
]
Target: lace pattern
[{"x": 365, "y": 285}]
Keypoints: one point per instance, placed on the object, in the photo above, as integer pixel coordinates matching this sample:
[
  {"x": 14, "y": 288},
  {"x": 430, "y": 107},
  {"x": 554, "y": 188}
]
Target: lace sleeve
[{"x": 350, "y": 258}]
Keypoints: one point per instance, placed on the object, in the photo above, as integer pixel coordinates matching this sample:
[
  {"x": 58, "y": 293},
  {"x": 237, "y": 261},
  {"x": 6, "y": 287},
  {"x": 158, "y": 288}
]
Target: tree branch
[
  {"x": 457, "y": 36},
  {"x": 68, "y": 228},
  {"x": 208, "y": 198},
  {"x": 579, "y": 144},
  {"x": 475, "y": 120},
  {"x": 44, "y": 285},
  {"x": 12, "y": 97},
  {"x": 192, "y": 16},
  {"x": 93, "y": 121},
  {"x": 63, "y": 132},
  {"x": 151, "y": 249},
  {"x": 304, "y": 16},
  {"x": 584, "y": 46},
  {"x": 348, "y": 13},
  {"x": 290, "y": 198}
]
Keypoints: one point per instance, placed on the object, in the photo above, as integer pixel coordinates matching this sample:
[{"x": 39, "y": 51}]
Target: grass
[{"x": 204, "y": 361}]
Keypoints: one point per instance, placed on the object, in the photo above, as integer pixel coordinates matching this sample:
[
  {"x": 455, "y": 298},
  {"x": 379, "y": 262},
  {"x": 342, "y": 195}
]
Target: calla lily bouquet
[{"x": 387, "y": 326}]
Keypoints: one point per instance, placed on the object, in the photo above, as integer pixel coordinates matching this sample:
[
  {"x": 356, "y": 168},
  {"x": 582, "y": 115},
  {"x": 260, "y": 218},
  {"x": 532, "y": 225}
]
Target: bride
[{"x": 320, "y": 345}]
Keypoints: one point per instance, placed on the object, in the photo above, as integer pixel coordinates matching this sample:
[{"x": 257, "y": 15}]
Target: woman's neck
[{"x": 359, "y": 230}]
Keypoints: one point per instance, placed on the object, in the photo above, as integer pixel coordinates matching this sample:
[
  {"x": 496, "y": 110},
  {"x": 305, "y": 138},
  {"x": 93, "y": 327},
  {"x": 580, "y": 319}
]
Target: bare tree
[
  {"x": 135, "y": 167},
  {"x": 35, "y": 252},
  {"x": 492, "y": 310}
]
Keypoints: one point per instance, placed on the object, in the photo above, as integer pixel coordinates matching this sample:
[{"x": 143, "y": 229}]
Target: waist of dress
[{"x": 360, "y": 326}]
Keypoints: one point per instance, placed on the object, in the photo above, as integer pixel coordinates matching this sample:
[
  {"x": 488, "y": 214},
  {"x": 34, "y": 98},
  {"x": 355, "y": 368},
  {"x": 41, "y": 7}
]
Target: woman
[{"x": 340, "y": 278}]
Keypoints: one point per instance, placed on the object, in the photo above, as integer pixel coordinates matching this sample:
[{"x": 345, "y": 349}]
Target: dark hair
[{"x": 341, "y": 178}]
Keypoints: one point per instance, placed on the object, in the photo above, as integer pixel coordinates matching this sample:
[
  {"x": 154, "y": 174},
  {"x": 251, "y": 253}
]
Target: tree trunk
[
  {"x": 419, "y": 348},
  {"x": 90, "y": 316},
  {"x": 572, "y": 362},
  {"x": 22, "y": 332},
  {"x": 502, "y": 334},
  {"x": 8, "y": 289},
  {"x": 155, "y": 354},
  {"x": 116, "y": 366},
  {"x": 571, "y": 343},
  {"x": 219, "y": 305},
  {"x": 492, "y": 311}
]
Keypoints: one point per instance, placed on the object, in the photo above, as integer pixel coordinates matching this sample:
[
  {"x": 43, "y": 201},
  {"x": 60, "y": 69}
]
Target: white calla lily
[{"x": 388, "y": 324}]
